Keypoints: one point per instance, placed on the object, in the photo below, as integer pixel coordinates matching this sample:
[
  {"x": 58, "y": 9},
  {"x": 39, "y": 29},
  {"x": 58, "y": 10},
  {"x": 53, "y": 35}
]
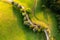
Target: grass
[{"x": 12, "y": 28}]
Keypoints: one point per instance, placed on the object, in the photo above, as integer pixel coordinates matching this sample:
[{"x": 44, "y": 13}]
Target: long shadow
[
  {"x": 19, "y": 16},
  {"x": 25, "y": 28}
]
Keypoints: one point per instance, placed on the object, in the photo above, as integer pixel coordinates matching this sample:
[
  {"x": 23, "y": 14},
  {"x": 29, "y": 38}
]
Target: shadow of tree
[{"x": 29, "y": 33}]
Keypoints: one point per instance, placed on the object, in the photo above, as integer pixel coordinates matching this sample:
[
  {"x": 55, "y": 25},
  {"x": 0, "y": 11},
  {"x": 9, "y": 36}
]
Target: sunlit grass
[{"x": 11, "y": 30}]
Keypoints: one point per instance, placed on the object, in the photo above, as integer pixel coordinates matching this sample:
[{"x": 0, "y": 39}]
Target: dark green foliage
[{"x": 54, "y": 5}]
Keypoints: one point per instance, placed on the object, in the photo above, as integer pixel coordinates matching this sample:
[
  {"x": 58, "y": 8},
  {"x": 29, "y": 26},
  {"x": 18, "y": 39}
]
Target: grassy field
[{"x": 12, "y": 28}]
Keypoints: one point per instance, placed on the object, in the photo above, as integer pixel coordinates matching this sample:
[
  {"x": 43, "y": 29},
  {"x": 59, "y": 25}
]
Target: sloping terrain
[{"x": 11, "y": 22}]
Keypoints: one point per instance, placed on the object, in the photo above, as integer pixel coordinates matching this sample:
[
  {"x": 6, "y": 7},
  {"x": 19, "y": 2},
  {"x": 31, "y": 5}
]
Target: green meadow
[{"x": 11, "y": 22}]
